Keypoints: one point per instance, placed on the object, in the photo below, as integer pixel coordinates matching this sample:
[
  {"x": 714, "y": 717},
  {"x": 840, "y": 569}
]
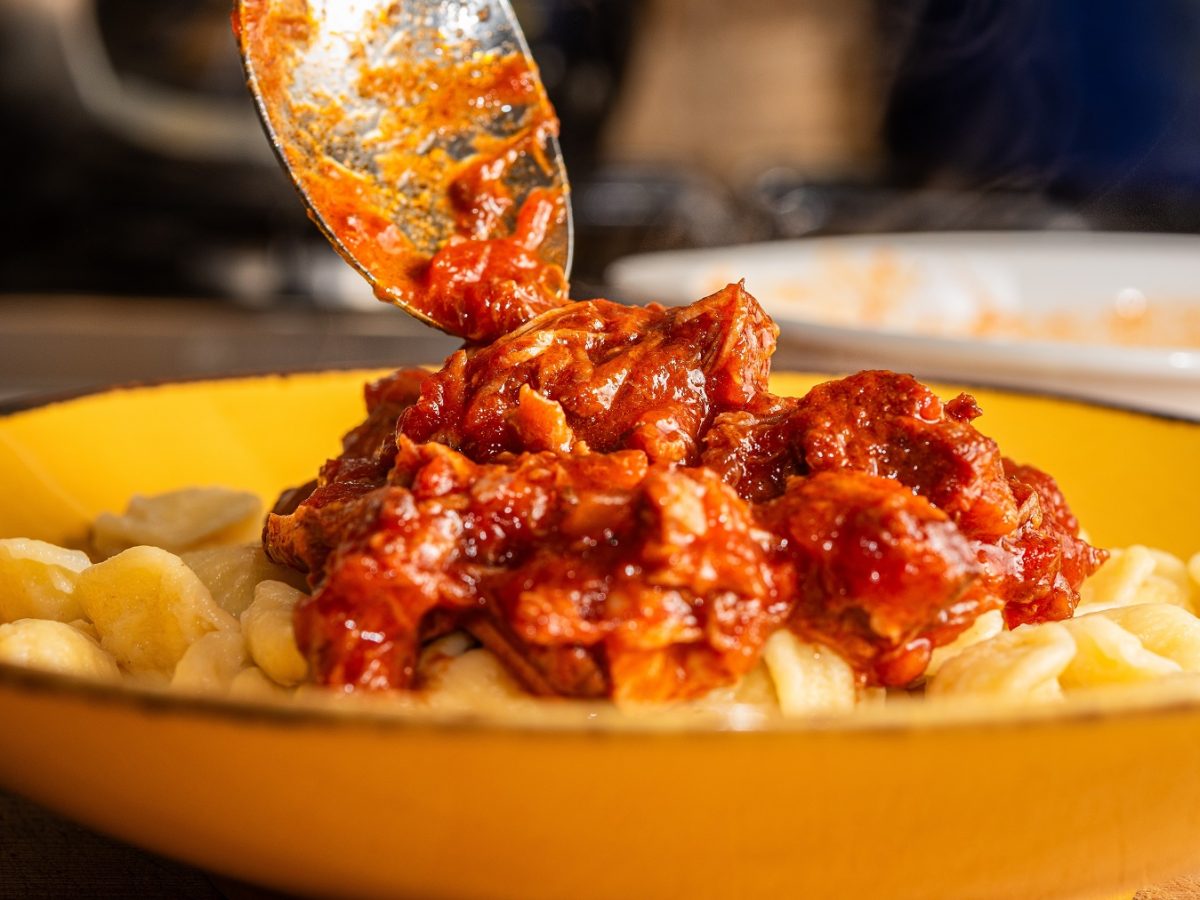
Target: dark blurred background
[{"x": 139, "y": 183}]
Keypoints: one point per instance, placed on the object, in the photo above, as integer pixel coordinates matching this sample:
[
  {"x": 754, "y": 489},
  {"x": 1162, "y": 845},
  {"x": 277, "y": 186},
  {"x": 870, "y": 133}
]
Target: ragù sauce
[{"x": 609, "y": 497}]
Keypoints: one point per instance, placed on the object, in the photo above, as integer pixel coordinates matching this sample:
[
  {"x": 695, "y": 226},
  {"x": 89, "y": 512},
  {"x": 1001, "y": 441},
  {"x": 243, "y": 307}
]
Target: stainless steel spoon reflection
[{"x": 409, "y": 126}]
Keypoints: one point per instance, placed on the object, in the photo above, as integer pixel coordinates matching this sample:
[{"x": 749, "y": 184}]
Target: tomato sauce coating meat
[
  {"x": 610, "y": 499},
  {"x": 600, "y": 376},
  {"x": 602, "y": 572}
]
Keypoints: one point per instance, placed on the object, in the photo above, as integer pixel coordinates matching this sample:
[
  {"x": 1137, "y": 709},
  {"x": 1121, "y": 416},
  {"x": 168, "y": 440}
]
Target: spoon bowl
[{"x": 408, "y": 126}]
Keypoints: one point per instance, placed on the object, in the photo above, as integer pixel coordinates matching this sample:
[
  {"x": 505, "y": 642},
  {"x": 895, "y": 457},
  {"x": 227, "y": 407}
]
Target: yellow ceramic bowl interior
[{"x": 1089, "y": 799}]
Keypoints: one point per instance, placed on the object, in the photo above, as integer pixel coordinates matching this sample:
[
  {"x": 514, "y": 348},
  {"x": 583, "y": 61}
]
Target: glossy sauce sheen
[{"x": 611, "y": 500}]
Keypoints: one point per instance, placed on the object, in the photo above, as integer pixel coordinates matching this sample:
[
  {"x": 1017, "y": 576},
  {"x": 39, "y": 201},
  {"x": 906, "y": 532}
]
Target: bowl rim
[
  {"x": 30, "y": 403},
  {"x": 1172, "y": 696},
  {"x": 27, "y": 403},
  {"x": 534, "y": 717}
]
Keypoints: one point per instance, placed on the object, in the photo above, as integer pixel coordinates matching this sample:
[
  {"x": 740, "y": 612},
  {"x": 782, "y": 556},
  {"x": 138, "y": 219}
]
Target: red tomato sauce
[
  {"x": 608, "y": 497},
  {"x": 611, "y": 500}
]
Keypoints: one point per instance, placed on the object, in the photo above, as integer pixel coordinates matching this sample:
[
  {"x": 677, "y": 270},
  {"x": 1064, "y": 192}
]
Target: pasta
[
  {"x": 231, "y": 573},
  {"x": 149, "y": 607},
  {"x": 55, "y": 647},
  {"x": 461, "y": 675},
  {"x": 986, "y": 626},
  {"x": 1141, "y": 575},
  {"x": 37, "y": 581},
  {"x": 1119, "y": 645},
  {"x": 1135, "y": 622},
  {"x": 189, "y": 519},
  {"x": 217, "y": 620},
  {"x": 251, "y": 684},
  {"x": 1025, "y": 662},
  {"x": 267, "y": 627},
  {"x": 808, "y": 678},
  {"x": 211, "y": 663},
  {"x": 1165, "y": 630},
  {"x": 1106, "y": 653}
]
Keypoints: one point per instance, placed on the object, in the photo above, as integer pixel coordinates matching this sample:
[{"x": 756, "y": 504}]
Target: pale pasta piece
[
  {"x": 1120, "y": 645},
  {"x": 55, "y": 647},
  {"x": 1171, "y": 567},
  {"x": 232, "y": 573},
  {"x": 1137, "y": 575},
  {"x": 149, "y": 607},
  {"x": 251, "y": 684},
  {"x": 754, "y": 689},
  {"x": 1170, "y": 582},
  {"x": 211, "y": 663},
  {"x": 180, "y": 520},
  {"x": 433, "y": 654},
  {"x": 37, "y": 580},
  {"x": 985, "y": 627},
  {"x": 469, "y": 678},
  {"x": 1106, "y": 653},
  {"x": 1024, "y": 663},
  {"x": 809, "y": 678},
  {"x": 267, "y": 625},
  {"x": 1166, "y": 630}
]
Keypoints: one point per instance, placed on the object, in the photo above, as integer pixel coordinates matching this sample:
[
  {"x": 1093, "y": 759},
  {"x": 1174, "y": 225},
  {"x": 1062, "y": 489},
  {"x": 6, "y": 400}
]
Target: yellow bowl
[{"x": 1097, "y": 796}]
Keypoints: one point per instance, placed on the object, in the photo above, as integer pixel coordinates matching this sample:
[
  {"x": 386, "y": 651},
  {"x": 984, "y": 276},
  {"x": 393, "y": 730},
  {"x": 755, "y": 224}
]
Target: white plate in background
[{"x": 1039, "y": 310}]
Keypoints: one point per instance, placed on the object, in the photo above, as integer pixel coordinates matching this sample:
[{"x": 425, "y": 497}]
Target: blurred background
[{"x": 150, "y": 232}]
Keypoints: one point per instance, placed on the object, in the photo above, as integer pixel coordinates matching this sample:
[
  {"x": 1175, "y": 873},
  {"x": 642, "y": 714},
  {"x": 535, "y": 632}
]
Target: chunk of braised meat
[
  {"x": 890, "y": 425},
  {"x": 754, "y": 449},
  {"x": 604, "y": 362},
  {"x": 604, "y": 376},
  {"x": 882, "y": 575},
  {"x": 591, "y": 574},
  {"x": 1038, "y": 568},
  {"x": 307, "y": 522},
  {"x": 877, "y": 422}
]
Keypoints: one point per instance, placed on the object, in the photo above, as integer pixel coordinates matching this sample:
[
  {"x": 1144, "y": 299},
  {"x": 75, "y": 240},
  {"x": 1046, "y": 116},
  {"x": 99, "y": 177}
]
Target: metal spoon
[{"x": 381, "y": 111}]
